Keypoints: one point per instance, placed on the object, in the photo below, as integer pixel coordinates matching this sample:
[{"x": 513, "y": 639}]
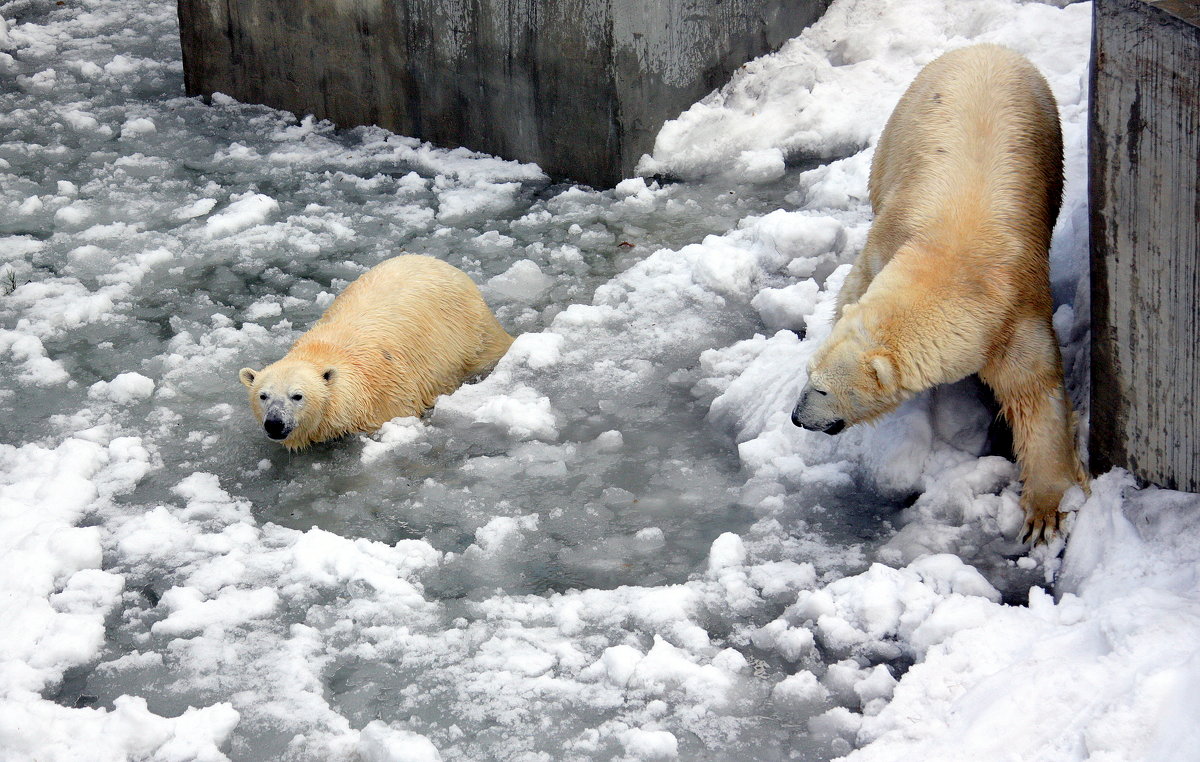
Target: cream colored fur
[
  {"x": 406, "y": 331},
  {"x": 966, "y": 184}
]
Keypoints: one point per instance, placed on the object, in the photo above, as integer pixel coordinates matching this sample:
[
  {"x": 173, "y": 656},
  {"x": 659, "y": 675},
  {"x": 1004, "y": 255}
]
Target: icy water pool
[{"x": 608, "y": 548}]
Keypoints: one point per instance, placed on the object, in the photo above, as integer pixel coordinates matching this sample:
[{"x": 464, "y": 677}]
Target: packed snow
[{"x": 616, "y": 545}]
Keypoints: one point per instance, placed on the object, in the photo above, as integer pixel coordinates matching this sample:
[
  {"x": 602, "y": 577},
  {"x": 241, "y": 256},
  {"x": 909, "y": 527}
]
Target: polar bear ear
[
  {"x": 247, "y": 376},
  {"x": 885, "y": 371},
  {"x": 329, "y": 374}
]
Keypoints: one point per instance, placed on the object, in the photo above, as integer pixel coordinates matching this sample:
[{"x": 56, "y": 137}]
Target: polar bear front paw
[
  {"x": 1042, "y": 520},
  {"x": 1040, "y": 529}
]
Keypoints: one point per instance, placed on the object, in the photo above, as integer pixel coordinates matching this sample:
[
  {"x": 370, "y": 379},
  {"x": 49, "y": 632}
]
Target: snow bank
[{"x": 828, "y": 92}]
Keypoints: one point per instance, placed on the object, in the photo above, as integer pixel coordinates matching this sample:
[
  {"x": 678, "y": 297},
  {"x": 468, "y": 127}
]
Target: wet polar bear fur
[
  {"x": 406, "y": 331},
  {"x": 954, "y": 278}
]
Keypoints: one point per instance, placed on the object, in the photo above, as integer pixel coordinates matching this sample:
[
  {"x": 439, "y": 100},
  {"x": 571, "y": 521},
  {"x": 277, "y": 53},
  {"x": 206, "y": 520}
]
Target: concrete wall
[
  {"x": 579, "y": 86},
  {"x": 1145, "y": 204}
]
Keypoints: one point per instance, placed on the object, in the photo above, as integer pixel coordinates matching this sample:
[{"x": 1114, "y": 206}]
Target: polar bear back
[
  {"x": 420, "y": 308},
  {"x": 978, "y": 130}
]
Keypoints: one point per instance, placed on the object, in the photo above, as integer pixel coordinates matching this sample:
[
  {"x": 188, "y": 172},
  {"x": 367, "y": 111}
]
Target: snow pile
[
  {"x": 828, "y": 92},
  {"x": 614, "y": 546}
]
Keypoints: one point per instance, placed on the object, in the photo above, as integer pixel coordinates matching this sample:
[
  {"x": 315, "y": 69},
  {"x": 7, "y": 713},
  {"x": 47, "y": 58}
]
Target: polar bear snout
[
  {"x": 276, "y": 427},
  {"x": 808, "y": 413}
]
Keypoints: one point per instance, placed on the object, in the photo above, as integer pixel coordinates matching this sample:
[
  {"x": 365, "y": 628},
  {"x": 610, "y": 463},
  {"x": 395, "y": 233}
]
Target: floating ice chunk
[
  {"x": 948, "y": 575},
  {"x": 155, "y": 534},
  {"x": 55, "y": 609},
  {"x": 837, "y": 725},
  {"x": 616, "y": 664},
  {"x": 662, "y": 606},
  {"x": 723, "y": 266},
  {"x": 666, "y": 666},
  {"x": 521, "y": 412},
  {"x": 31, "y": 205},
  {"x": 378, "y": 742},
  {"x": 635, "y": 196},
  {"x": 74, "y": 214},
  {"x": 878, "y": 684},
  {"x": 129, "y": 272},
  {"x": 791, "y": 642},
  {"x": 787, "y": 307},
  {"x": 726, "y": 563},
  {"x": 650, "y": 744},
  {"x": 191, "y": 613},
  {"x": 609, "y": 441},
  {"x": 764, "y": 165},
  {"x": 728, "y": 550},
  {"x": 85, "y": 252},
  {"x": 776, "y": 578},
  {"x": 793, "y": 235},
  {"x": 537, "y": 350},
  {"x": 495, "y": 239},
  {"x": 129, "y": 730},
  {"x": 320, "y": 559},
  {"x": 205, "y": 499},
  {"x": 87, "y": 69},
  {"x": 245, "y": 212},
  {"x": 121, "y": 65},
  {"x": 197, "y": 208},
  {"x": 800, "y": 694},
  {"x": 396, "y": 434},
  {"x": 515, "y": 655},
  {"x": 457, "y": 204},
  {"x": 524, "y": 282},
  {"x": 633, "y": 186},
  {"x": 840, "y": 184},
  {"x": 60, "y": 304},
  {"x": 44, "y": 81},
  {"x": 650, "y": 537},
  {"x": 875, "y": 612},
  {"x": 36, "y": 367},
  {"x": 124, "y": 389},
  {"x": 263, "y": 308},
  {"x": 80, "y": 120},
  {"x": 138, "y": 126},
  {"x": 731, "y": 660},
  {"x": 501, "y": 531}
]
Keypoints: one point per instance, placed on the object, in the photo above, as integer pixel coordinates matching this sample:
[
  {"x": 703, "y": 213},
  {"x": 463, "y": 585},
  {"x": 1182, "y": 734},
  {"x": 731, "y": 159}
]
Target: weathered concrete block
[
  {"x": 579, "y": 86},
  {"x": 1145, "y": 205}
]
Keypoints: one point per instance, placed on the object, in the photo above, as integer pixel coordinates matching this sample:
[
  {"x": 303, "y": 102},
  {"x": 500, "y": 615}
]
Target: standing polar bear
[
  {"x": 406, "y": 331},
  {"x": 954, "y": 278}
]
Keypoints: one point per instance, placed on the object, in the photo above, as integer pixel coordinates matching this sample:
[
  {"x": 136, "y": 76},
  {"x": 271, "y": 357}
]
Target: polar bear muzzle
[{"x": 811, "y": 413}]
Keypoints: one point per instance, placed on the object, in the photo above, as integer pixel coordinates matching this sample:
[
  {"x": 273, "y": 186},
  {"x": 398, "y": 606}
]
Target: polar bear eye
[
  {"x": 263, "y": 396},
  {"x": 297, "y": 397}
]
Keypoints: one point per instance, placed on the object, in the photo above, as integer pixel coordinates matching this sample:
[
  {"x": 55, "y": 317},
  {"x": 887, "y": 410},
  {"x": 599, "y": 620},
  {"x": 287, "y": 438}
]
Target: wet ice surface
[{"x": 614, "y": 546}]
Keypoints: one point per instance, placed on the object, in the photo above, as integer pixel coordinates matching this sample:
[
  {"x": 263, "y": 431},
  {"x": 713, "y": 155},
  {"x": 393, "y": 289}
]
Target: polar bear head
[
  {"x": 854, "y": 377},
  {"x": 289, "y": 398}
]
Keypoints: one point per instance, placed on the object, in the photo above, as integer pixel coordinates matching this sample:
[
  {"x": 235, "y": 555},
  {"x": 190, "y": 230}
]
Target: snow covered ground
[{"x": 616, "y": 546}]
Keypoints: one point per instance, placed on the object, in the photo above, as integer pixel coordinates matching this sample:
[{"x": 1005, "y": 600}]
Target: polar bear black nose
[{"x": 276, "y": 428}]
